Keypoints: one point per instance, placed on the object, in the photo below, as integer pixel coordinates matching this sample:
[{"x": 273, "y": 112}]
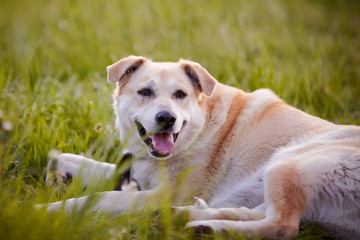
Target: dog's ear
[
  {"x": 199, "y": 76},
  {"x": 123, "y": 67}
]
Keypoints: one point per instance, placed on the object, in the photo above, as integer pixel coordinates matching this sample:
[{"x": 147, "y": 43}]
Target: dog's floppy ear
[
  {"x": 199, "y": 75},
  {"x": 123, "y": 67}
]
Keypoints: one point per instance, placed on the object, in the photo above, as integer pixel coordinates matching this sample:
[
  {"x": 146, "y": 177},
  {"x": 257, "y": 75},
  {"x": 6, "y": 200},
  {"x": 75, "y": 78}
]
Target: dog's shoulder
[{"x": 263, "y": 97}]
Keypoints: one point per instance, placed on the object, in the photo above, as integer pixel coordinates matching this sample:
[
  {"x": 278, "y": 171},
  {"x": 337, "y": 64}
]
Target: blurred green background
[{"x": 54, "y": 94}]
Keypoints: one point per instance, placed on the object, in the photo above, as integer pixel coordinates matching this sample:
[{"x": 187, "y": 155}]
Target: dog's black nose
[{"x": 165, "y": 119}]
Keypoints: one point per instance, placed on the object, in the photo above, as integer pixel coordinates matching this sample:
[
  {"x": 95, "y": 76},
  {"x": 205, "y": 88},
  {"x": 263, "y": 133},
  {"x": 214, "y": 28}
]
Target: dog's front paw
[
  {"x": 57, "y": 176},
  {"x": 56, "y": 179}
]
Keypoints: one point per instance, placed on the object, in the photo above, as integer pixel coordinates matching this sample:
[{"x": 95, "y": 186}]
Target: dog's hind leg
[
  {"x": 66, "y": 166},
  {"x": 201, "y": 211},
  {"x": 314, "y": 181},
  {"x": 284, "y": 202}
]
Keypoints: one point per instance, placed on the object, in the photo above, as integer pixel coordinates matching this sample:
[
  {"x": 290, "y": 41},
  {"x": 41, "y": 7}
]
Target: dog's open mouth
[{"x": 160, "y": 144}]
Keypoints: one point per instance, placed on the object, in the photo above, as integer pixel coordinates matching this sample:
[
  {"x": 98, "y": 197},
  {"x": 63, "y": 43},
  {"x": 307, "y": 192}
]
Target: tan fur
[
  {"x": 262, "y": 165},
  {"x": 286, "y": 195},
  {"x": 222, "y": 136}
]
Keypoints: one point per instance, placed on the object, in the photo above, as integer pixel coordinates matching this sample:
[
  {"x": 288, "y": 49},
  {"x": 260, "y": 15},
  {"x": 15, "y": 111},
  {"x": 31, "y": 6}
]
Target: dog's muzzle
[{"x": 160, "y": 143}]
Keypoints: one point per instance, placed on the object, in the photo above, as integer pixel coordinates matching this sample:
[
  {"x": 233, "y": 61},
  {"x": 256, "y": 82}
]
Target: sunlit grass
[{"x": 53, "y": 87}]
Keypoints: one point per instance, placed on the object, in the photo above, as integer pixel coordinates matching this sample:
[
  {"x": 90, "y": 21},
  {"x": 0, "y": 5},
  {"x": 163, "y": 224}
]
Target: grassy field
[{"x": 54, "y": 95}]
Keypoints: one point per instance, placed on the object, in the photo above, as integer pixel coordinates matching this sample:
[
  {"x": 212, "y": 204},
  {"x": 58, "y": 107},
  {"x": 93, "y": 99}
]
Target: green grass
[{"x": 53, "y": 87}]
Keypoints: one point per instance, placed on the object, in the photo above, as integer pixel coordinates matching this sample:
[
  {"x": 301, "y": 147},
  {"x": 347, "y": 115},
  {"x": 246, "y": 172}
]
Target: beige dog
[{"x": 261, "y": 165}]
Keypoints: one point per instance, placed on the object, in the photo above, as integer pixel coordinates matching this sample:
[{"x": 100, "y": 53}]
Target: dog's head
[{"x": 160, "y": 99}]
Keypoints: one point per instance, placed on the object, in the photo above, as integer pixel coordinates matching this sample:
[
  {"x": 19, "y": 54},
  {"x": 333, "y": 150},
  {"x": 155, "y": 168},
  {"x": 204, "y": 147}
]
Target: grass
[{"x": 53, "y": 87}]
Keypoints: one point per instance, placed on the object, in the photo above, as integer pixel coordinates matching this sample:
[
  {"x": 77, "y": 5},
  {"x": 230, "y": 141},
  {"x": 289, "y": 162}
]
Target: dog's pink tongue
[{"x": 163, "y": 142}]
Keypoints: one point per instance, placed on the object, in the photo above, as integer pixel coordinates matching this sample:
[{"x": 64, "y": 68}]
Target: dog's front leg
[
  {"x": 111, "y": 201},
  {"x": 66, "y": 166}
]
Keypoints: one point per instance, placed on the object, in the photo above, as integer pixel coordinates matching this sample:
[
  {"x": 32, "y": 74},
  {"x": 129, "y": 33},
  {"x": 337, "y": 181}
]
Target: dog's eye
[
  {"x": 180, "y": 94},
  {"x": 145, "y": 92}
]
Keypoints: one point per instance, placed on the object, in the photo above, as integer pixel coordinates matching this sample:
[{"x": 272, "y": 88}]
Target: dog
[{"x": 259, "y": 166}]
